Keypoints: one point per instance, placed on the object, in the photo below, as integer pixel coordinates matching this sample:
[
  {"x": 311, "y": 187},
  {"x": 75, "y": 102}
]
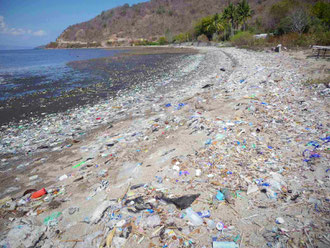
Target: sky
[{"x": 31, "y": 23}]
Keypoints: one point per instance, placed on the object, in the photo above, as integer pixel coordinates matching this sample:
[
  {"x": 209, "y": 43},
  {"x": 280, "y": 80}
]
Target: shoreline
[
  {"x": 237, "y": 116},
  {"x": 23, "y": 131},
  {"x": 44, "y": 101}
]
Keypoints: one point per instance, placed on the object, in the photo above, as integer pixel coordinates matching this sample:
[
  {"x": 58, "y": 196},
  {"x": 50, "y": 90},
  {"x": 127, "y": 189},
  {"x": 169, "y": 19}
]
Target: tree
[
  {"x": 244, "y": 12},
  {"x": 205, "y": 26},
  {"x": 299, "y": 20},
  {"x": 280, "y": 11},
  {"x": 218, "y": 23},
  {"x": 230, "y": 13},
  {"x": 322, "y": 11}
]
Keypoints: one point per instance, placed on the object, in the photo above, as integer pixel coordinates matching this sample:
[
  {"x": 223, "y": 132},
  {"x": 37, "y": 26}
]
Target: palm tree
[
  {"x": 218, "y": 23},
  {"x": 230, "y": 13},
  {"x": 226, "y": 26},
  {"x": 244, "y": 12}
]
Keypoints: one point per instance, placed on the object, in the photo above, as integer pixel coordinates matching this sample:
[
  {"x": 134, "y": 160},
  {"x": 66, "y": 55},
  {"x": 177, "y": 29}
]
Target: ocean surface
[
  {"x": 39, "y": 69},
  {"x": 38, "y": 82}
]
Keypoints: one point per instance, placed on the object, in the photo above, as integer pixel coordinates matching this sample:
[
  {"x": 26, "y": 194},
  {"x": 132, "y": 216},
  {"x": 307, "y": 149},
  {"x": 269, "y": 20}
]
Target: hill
[{"x": 148, "y": 20}]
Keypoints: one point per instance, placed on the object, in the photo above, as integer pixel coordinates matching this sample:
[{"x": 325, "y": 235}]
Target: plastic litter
[
  {"x": 264, "y": 146},
  {"x": 279, "y": 220},
  {"x": 182, "y": 202},
  {"x": 63, "y": 177},
  {"x": 227, "y": 195},
  {"x": 204, "y": 214},
  {"x": 193, "y": 217},
  {"x": 220, "y": 196},
  {"x": 99, "y": 211},
  {"x": 78, "y": 165},
  {"x": 39, "y": 193},
  {"x": 210, "y": 224},
  {"x": 220, "y": 226},
  {"x": 224, "y": 244},
  {"x": 52, "y": 219}
]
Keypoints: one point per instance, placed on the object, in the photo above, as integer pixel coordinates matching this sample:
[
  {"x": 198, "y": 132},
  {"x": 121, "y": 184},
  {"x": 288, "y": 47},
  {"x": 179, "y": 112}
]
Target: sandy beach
[{"x": 238, "y": 122}]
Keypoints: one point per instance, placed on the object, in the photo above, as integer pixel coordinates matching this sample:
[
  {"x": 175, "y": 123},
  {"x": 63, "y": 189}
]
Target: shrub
[
  {"x": 242, "y": 39},
  {"x": 183, "y": 37},
  {"x": 202, "y": 38},
  {"x": 293, "y": 40},
  {"x": 160, "y": 10},
  {"x": 322, "y": 38},
  {"x": 303, "y": 40},
  {"x": 162, "y": 41},
  {"x": 284, "y": 26},
  {"x": 143, "y": 43},
  {"x": 94, "y": 44},
  {"x": 180, "y": 38}
]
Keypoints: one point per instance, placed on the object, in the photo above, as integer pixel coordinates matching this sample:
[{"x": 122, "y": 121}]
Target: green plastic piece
[
  {"x": 52, "y": 217},
  {"x": 77, "y": 165}
]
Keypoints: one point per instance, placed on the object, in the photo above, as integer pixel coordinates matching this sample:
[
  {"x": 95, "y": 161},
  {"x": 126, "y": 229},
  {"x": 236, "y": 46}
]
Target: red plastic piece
[{"x": 39, "y": 193}]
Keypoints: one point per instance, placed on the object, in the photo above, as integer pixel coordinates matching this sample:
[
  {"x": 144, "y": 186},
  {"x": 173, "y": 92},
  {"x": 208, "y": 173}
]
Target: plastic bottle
[{"x": 194, "y": 217}]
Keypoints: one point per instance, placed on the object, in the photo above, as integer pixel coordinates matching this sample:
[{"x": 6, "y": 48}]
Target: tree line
[
  {"x": 301, "y": 21},
  {"x": 223, "y": 25}
]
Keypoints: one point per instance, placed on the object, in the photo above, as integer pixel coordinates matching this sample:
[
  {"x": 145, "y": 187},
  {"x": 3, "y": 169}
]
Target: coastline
[
  {"x": 82, "y": 82},
  {"x": 224, "y": 96}
]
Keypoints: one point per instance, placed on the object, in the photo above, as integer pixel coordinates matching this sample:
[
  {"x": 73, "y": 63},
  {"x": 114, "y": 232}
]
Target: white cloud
[
  {"x": 2, "y": 23},
  {"x": 18, "y": 31},
  {"x": 39, "y": 33}
]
